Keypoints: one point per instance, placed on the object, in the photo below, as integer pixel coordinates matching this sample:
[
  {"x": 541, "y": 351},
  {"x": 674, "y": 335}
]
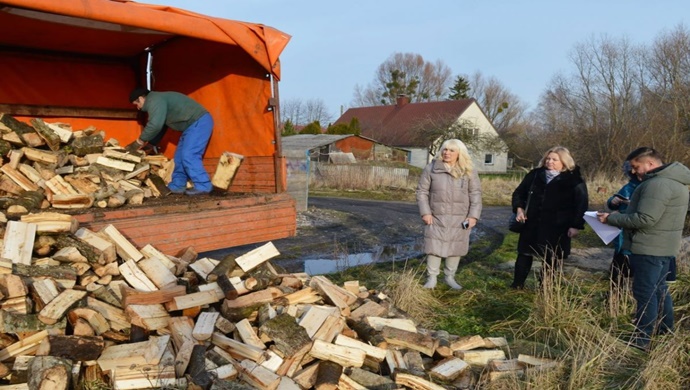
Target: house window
[{"x": 488, "y": 159}]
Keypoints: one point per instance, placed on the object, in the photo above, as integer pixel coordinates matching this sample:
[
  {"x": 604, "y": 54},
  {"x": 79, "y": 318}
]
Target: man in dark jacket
[
  {"x": 652, "y": 231},
  {"x": 178, "y": 112}
]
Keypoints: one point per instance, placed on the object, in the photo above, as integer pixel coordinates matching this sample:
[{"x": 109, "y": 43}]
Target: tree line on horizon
[{"x": 616, "y": 96}]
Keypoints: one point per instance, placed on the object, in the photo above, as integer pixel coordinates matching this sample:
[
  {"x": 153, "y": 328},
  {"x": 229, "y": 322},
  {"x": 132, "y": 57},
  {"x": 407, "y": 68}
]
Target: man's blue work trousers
[
  {"x": 654, "y": 305},
  {"x": 189, "y": 154}
]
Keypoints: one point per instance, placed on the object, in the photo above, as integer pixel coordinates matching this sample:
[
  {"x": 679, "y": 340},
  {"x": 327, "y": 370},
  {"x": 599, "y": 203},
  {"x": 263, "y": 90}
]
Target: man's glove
[{"x": 134, "y": 147}]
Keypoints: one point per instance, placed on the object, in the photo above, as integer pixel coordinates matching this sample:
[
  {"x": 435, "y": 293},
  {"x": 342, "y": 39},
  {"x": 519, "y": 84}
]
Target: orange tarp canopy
[{"x": 77, "y": 60}]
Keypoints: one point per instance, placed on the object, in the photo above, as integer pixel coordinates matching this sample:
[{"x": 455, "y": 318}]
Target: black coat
[{"x": 553, "y": 209}]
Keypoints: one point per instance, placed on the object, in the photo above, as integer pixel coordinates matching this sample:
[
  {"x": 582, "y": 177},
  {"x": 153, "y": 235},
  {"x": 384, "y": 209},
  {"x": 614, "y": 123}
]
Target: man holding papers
[{"x": 652, "y": 231}]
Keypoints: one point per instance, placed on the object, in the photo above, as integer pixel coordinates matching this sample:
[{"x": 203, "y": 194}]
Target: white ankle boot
[
  {"x": 433, "y": 268},
  {"x": 430, "y": 282},
  {"x": 449, "y": 272}
]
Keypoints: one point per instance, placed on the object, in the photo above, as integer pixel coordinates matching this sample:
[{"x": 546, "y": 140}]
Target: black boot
[{"x": 523, "y": 266}]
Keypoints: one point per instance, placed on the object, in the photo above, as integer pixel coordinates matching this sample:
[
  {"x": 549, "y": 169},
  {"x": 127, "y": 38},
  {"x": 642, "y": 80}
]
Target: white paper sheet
[{"x": 606, "y": 232}]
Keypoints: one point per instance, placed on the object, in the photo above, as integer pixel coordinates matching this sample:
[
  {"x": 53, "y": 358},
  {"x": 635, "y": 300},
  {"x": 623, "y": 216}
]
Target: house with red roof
[{"x": 416, "y": 127}]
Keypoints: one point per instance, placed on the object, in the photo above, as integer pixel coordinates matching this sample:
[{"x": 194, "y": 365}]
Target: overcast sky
[{"x": 523, "y": 43}]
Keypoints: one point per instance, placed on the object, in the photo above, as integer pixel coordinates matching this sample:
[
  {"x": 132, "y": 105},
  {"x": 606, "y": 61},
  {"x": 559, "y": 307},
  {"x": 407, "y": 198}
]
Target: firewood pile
[
  {"x": 50, "y": 165},
  {"x": 83, "y": 309}
]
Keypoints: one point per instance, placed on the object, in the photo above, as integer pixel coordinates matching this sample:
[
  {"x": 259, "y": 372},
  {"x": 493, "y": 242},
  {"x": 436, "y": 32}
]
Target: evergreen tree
[
  {"x": 288, "y": 129},
  {"x": 354, "y": 126},
  {"x": 460, "y": 89},
  {"x": 312, "y": 128}
]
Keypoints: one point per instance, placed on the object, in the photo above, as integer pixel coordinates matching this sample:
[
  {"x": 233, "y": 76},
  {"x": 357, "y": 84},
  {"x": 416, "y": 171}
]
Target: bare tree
[
  {"x": 315, "y": 110},
  {"x": 301, "y": 113},
  {"x": 405, "y": 73},
  {"x": 292, "y": 110},
  {"x": 593, "y": 110},
  {"x": 666, "y": 98},
  {"x": 503, "y": 108},
  {"x": 433, "y": 130}
]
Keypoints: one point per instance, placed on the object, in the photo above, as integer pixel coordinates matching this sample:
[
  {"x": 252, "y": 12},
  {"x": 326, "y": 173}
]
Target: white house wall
[
  {"x": 474, "y": 115},
  {"x": 419, "y": 157}
]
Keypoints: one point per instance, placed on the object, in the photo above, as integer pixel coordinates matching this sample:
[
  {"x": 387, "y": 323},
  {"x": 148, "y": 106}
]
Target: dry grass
[{"x": 407, "y": 294}]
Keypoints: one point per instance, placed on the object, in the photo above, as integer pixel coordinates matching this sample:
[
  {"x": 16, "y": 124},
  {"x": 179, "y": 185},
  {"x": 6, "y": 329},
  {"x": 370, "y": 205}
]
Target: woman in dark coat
[{"x": 555, "y": 213}]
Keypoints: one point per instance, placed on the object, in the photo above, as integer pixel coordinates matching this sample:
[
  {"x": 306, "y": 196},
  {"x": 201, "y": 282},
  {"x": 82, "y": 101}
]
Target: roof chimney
[{"x": 401, "y": 100}]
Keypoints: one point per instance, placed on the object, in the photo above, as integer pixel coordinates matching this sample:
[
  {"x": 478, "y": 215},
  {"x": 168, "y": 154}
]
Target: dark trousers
[
  {"x": 523, "y": 266},
  {"x": 654, "y": 312}
]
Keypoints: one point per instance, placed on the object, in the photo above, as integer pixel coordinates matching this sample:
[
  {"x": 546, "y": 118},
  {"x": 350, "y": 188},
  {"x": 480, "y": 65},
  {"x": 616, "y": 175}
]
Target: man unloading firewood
[{"x": 181, "y": 113}]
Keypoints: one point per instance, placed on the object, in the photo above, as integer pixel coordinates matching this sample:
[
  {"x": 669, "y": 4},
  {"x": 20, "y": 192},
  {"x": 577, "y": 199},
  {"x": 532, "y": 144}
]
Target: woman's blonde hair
[
  {"x": 563, "y": 154},
  {"x": 464, "y": 165}
]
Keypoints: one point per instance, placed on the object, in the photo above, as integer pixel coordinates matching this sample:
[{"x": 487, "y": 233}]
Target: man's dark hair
[
  {"x": 139, "y": 91},
  {"x": 644, "y": 151}
]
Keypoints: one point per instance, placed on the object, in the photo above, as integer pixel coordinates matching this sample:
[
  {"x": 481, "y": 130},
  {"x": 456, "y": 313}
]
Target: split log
[
  {"x": 248, "y": 335},
  {"x": 44, "y": 156},
  {"x": 480, "y": 357},
  {"x": 238, "y": 349},
  {"x": 335, "y": 295},
  {"x": 49, "y": 373},
  {"x": 144, "y": 353},
  {"x": 415, "y": 382},
  {"x": 95, "y": 319},
  {"x": 54, "y": 310},
  {"x": 24, "y": 182},
  {"x": 328, "y": 376},
  {"x": 125, "y": 249},
  {"x": 75, "y": 348},
  {"x": 149, "y": 317},
  {"x": 448, "y": 369},
  {"x": 25, "y": 323},
  {"x": 158, "y": 273},
  {"x": 132, "y": 296},
  {"x": 228, "y": 163},
  {"x": 18, "y": 242},
  {"x": 64, "y": 276},
  {"x": 314, "y": 317},
  {"x": 257, "y": 256},
  {"x": 89, "y": 144},
  {"x": 258, "y": 376},
  {"x": 415, "y": 341},
  {"x": 370, "y": 380},
  {"x": 375, "y": 353},
  {"x": 197, "y": 367},
  {"x": 27, "y": 346},
  {"x": 205, "y": 325},
  {"x": 47, "y": 133},
  {"x": 157, "y": 186},
  {"x": 331, "y": 327},
  {"x": 136, "y": 277},
  {"x": 92, "y": 254},
  {"x": 52, "y": 222},
  {"x": 345, "y": 356},
  {"x": 192, "y": 300},
  {"x": 71, "y": 201}
]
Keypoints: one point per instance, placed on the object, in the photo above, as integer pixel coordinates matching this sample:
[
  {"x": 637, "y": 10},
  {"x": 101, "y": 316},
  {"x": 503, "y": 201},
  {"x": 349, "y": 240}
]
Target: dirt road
[{"x": 333, "y": 228}]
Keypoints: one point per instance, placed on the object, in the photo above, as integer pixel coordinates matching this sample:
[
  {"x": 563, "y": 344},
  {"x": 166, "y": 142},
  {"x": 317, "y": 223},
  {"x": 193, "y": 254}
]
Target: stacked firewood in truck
[
  {"x": 51, "y": 165},
  {"x": 88, "y": 309}
]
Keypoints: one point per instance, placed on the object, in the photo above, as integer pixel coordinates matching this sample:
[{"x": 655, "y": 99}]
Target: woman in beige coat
[{"x": 449, "y": 197}]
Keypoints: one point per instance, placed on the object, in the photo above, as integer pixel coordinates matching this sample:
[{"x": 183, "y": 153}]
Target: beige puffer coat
[{"x": 450, "y": 201}]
